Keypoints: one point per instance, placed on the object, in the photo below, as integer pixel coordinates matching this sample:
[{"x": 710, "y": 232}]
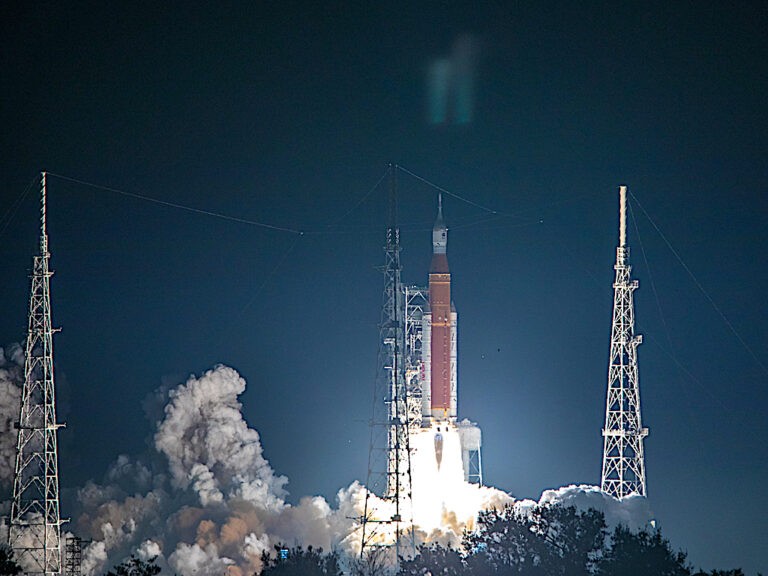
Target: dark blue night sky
[{"x": 288, "y": 113}]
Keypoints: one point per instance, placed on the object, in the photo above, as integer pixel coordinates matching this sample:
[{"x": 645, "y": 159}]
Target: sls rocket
[
  {"x": 441, "y": 369},
  {"x": 446, "y": 450}
]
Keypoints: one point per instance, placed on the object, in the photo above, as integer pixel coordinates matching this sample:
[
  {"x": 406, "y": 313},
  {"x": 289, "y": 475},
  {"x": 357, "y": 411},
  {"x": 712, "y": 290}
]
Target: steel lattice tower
[
  {"x": 73, "y": 556},
  {"x": 623, "y": 459},
  {"x": 35, "y": 530},
  {"x": 396, "y": 418}
]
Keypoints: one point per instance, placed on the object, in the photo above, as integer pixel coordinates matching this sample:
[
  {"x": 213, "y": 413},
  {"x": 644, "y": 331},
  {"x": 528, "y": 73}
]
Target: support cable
[
  {"x": 650, "y": 279},
  {"x": 496, "y": 214},
  {"x": 671, "y": 354},
  {"x": 180, "y": 206},
  {"x": 449, "y": 193},
  {"x": 327, "y": 229},
  {"x": 13, "y": 208},
  {"x": 701, "y": 289},
  {"x": 362, "y": 199},
  {"x": 269, "y": 276}
]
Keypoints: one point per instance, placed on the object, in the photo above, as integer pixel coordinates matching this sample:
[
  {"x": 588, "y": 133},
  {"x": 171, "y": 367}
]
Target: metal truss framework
[
  {"x": 623, "y": 457},
  {"x": 391, "y": 384},
  {"x": 416, "y": 301},
  {"x": 472, "y": 460},
  {"x": 73, "y": 556},
  {"x": 35, "y": 530},
  {"x": 475, "y": 467}
]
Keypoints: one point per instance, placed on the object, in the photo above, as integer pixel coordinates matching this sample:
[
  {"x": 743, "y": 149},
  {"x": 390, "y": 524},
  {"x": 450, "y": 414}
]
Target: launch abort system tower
[{"x": 623, "y": 459}]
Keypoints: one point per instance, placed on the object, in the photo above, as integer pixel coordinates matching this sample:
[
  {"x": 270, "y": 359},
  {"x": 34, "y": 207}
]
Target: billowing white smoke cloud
[
  {"x": 211, "y": 504},
  {"x": 206, "y": 501},
  {"x": 11, "y": 380},
  {"x": 632, "y": 512},
  {"x": 211, "y": 448}
]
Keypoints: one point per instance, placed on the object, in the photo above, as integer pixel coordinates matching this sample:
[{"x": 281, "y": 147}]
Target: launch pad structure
[
  {"x": 427, "y": 450},
  {"x": 417, "y": 384}
]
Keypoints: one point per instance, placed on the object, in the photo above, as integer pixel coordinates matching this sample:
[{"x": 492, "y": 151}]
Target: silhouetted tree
[
  {"x": 640, "y": 554},
  {"x": 574, "y": 538},
  {"x": 300, "y": 562},
  {"x": 8, "y": 566},
  {"x": 734, "y": 572},
  {"x": 374, "y": 562},
  {"x": 136, "y": 567},
  {"x": 504, "y": 543},
  {"x": 553, "y": 541},
  {"x": 547, "y": 540},
  {"x": 435, "y": 560}
]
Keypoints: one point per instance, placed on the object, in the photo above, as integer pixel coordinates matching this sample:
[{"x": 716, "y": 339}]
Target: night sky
[{"x": 288, "y": 113}]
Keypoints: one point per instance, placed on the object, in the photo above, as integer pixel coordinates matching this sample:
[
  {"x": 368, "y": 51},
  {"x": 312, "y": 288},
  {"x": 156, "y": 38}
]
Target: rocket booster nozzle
[{"x": 439, "y": 449}]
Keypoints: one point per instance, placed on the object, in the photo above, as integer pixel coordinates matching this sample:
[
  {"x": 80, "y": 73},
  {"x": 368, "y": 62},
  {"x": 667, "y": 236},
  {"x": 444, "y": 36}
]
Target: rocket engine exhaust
[{"x": 438, "y": 449}]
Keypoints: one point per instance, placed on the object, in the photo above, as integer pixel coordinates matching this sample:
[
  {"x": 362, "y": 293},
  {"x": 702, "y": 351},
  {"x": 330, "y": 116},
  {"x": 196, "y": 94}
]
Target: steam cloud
[
  {"x": 11, "y": 379},
  {"x": 632, "y": 512},
  {"x": 211, "y": 448},
  {"x": 206, "y": 501}
]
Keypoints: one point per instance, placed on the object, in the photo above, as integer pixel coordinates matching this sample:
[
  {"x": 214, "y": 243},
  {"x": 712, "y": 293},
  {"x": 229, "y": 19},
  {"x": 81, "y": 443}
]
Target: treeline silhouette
[
  {"x": 548, "y": 540},
  {"x": 553, "y": 541}
]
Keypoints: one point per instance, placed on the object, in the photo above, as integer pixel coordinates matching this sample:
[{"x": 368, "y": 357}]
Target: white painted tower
[
  {"x": 623, "y": 458},
  {"x": 35, "y": 530}
]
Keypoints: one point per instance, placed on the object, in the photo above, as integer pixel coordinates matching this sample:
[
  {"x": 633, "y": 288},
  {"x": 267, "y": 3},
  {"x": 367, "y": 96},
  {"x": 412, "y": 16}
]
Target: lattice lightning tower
[
  {"x": 35, "y": 530},
  {"x": 391, "y": 376},
  {"x": 623, "y": 459}
]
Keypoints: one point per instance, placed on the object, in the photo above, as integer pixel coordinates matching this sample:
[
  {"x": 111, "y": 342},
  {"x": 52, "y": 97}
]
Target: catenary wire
[
  {"x": 670, "y": 351},
  {"x": 496, "y": 214},
  {"x": 448, "y": 192},
  {"x": 14, "y": 207},
  {"x": 180, "y": 206},
  {"x": 270, "y": 275},
  {"x": 701, "y": 288},
  {"x": 362, "y": 199}
]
